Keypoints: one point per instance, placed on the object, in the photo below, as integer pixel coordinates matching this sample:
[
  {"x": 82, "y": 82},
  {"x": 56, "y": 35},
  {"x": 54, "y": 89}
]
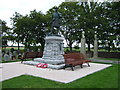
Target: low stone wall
[
  {"x": 105, "y": 54},
  {"x": 109, "y": 54}
]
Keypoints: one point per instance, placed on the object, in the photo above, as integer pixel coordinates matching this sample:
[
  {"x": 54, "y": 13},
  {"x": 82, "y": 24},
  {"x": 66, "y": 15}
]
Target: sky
[{"x": 9, "y": 7}]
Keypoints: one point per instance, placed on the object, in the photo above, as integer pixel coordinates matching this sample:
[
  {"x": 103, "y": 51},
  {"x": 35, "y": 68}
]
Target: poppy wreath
[
  {"x": 39, "y": 65},
  {"x": 42, "y": 65}
]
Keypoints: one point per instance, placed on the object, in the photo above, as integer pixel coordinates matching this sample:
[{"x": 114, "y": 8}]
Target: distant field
[
  {"x": 67, "y": 49},
  {"x": 8, "y": 48}
]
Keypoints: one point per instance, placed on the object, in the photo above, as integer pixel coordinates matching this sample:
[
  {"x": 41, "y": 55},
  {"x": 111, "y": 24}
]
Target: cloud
[{"x": 9, "y": 7}]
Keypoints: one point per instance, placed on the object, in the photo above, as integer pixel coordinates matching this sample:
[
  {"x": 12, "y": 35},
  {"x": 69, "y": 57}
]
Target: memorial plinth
[
  {"x": 52, "y": 54},
  {"x": 53, "y": 50}
]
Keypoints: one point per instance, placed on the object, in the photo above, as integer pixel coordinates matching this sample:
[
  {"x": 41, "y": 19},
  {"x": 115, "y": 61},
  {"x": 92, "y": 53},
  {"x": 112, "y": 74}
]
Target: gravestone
[
  {"x": 6, "y": 57},
  {"x": 14, "y": 55},
  {"x": 10, "y": 55}
]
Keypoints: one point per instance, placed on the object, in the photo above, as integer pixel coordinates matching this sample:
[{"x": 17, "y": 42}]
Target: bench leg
[
  {"x": 81, "y": 66},
  {"x": 88, "y": 64},
  {"x": 68, "y": 65},
  {"x": 21, "y": 61},
  {"x": 64, "y": 67},
  {"x": 72, "y": 68}
]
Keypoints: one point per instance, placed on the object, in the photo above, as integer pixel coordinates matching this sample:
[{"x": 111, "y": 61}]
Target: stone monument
[
  {"x": 6, "y": 57},
  {"x": 10, "y": 55},
  {"x": 83, "y": 48},
  {"x": 53, "y": 49},
  {"x": 95, "y": 55}
]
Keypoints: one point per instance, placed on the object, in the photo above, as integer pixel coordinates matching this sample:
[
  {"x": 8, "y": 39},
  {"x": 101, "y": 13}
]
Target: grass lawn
[
  {"x": 107, "y": 78},
  {"x": 10, "y": 61}
]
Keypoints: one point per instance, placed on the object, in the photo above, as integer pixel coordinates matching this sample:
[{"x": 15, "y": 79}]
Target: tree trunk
[
  {"x": 88, "y": 43},
  {"x": 42, "y": 47},
  {"x": 109, "y": 47},
  {"x": 18, "y": 45},
  {"x": 70, "y": 46},
  {"x": 89, "y": 47}
]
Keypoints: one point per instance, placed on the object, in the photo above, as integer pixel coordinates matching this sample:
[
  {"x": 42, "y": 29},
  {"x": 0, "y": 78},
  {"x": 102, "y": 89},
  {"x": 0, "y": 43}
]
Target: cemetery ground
[{"x": 106, "y": 78}]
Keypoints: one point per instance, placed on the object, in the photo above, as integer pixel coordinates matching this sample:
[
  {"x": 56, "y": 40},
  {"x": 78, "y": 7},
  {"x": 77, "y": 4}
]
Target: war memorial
[{"x": 53, "y": 51}]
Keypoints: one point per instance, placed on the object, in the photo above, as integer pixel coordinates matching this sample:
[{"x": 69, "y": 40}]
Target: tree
[
  {"x": 5, "y": 33},
  {"x": 16, "y": 33},
  {"x": 30, "y": 29},
  {"x": 69, "y": 13},
  {"x": 109, "y": 24},
  {"x": 88, "y": 20}
]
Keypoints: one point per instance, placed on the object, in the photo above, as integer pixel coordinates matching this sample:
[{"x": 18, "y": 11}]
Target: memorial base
[{"x": 52, "y": 54}]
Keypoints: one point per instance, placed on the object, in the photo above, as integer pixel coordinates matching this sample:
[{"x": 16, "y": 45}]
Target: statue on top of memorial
[{"x": 56, "y": 22}]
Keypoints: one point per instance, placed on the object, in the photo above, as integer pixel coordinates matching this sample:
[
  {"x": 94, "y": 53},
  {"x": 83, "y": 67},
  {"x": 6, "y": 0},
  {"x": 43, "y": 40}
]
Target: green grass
[
  {"x": 16, "y": 48},
  {"x": 107, "y": 78},
  {"x": 10, "y": 61}
]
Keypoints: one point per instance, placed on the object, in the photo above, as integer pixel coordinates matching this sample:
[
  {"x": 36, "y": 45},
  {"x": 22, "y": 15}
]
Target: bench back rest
[
  {"x": 39, "y": 54},
  {"x": 30, "y": 55},
  {"x": 73, "y": 56}
]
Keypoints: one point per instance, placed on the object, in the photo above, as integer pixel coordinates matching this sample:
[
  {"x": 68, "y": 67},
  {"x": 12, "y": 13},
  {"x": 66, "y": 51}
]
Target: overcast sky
[{"x": 9, "y": 7}]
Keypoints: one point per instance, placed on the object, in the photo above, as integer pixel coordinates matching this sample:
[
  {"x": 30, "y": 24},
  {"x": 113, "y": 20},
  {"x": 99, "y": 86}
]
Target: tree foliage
[
  {"x": 30, "y": 29},
  {"x": 5, "y": 33}
]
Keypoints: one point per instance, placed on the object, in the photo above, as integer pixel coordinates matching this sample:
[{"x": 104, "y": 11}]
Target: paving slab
[{"x": 10, "y": 70}]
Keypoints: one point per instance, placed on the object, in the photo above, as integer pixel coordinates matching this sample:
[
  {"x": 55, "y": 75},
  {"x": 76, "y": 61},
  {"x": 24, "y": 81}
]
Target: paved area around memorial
[{"x": 11, "y": 70}]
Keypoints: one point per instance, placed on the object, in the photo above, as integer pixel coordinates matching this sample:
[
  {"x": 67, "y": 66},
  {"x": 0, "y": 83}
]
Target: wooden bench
[
  {"x": 74, "y": 59},
  {"x": 39, "y": 54},
  {"x": 29, "y": 55}
]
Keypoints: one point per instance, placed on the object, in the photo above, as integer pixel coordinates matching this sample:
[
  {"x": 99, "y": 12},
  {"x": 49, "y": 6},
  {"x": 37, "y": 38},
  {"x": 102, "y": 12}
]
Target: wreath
[{"x": 42, "y": 65}]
